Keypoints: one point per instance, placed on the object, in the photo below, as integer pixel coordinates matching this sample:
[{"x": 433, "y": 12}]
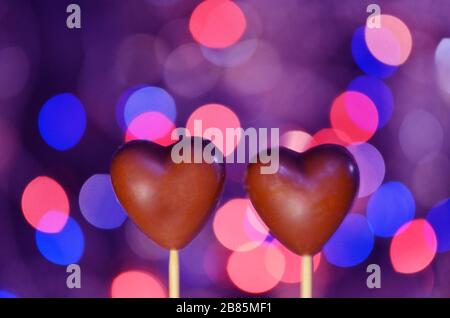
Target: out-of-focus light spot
[
  {"x": 141, "y": 245},
  {"x": 232, "y": 56},
  {"x": 137, "y": 284},
  {"x": 371, "y": 167},
  {"x": 7, "y": 294},
  {"x": 391, "y": 44},
  {"x": 259, "y": 74},
  {"x": 238, "y": 227},
  {"x": 355, "y": 115},
  {"x": 413, "y": 247},
  {"x": 254, "y": 225},
  {"x": 151, "y": 126},
  {"x": 99, "y": 204},
  {"x": 52, "y": 222},
  {"x": 391, "y": 206},
  {"x": 420, "y": 134},
  {"x": 439, "y": 218},
  {"x": 293, "y": 264},
  {"x": 148, "y": 99},
  {"x": 296, "y": 140},
  {"x": 431, "y": 179},
  {"x": 352, "y": 243},
  {"x": 365, "y": 60},
  {"x": 45, "y": 205},
  {"x": 442, "y": 65},
  {"x": 215, "y": 118},
  {"x": 15, "y": 68},
  {"x": 188, "y": 74},
  {"x": 328, "y": 136},
  {"x": 258, "y": 270},
  {"x": 63, "y": 248},
  {"x": 379, "y": 93},
  {"x": 120, "y": 106},
  {"x": 62, "y": 121},
  {"x": 217, "y": 23}
]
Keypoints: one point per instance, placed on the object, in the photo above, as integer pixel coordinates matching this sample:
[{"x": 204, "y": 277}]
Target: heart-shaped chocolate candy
[
  {"x": 304, "y": 203},
  {"x": 168, "y": 201}
]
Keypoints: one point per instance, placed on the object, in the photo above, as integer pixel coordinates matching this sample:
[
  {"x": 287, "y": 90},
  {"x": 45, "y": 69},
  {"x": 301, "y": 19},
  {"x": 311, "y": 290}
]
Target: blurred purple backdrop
[{"x": 294, "y": 58}]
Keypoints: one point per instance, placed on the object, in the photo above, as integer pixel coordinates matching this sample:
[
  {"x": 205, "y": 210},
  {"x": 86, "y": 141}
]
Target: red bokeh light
[
  {"x": 355, "y": 115},
  {"x": 151, "y": 126},
  {"x": 327, "y": 136},
  {"x": 45, "y": 205},
  {"x": 258, "y": 270},
  {"x": 215, "y": 117},
  {"x": 238, "y": 227},
  {"x": 217, "y": 23},
  {"x": 136, "y": 284},
  {"x": 413, "y": 247}
]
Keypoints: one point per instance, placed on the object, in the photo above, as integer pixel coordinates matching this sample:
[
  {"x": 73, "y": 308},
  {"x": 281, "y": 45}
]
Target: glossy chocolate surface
[
  {"x": 304, "y": 203},
  {"x": 169, "y": 202}
]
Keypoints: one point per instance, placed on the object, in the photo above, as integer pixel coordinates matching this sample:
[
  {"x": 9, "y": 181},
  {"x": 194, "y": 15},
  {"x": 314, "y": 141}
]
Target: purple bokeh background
[{"x": 123, "y": 44}]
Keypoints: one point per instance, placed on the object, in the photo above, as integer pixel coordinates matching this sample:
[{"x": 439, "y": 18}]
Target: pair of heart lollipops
[{"x": 302, "y": 204}]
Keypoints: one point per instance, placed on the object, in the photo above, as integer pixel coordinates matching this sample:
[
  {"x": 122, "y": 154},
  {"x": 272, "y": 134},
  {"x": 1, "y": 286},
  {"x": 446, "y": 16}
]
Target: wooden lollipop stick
[
  {"x": 174, "y": 275},
  {"x": 306, "y": 284}
]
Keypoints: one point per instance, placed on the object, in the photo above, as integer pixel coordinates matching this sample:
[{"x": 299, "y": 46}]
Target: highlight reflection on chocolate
[{"x": 304, "y": 203}]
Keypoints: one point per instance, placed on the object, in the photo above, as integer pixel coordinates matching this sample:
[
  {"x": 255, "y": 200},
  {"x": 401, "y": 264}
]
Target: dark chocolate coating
[
  {"x": 169, "y": 202},
  {"x": 304, "y": 203}
]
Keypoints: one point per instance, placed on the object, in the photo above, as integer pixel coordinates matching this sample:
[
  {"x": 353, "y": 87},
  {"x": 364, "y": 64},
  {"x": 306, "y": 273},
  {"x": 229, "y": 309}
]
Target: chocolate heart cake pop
[
  {"x": 169, "y": 201},
  {"x": 304, "y": 203}
]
